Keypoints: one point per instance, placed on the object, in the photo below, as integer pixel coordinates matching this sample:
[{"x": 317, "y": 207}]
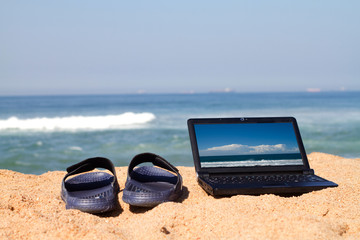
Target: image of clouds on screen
[{"x": 239, "y": 149}]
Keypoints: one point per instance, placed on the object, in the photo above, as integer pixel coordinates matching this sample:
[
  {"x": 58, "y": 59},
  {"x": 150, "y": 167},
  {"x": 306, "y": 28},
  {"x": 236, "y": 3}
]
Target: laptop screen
[{"x": 247, "y": 145}]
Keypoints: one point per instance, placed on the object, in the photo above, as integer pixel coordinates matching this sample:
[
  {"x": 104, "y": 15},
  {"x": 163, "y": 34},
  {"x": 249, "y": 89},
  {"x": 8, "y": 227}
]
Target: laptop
[{"x": 251, "y": 156}]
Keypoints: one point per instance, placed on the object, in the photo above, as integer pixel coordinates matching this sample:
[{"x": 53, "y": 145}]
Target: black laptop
[{"x": 251, "y": 156}]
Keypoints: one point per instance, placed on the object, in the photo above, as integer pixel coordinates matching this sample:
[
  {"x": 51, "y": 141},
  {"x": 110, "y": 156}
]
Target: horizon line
[{"x": 141, "y": 92}]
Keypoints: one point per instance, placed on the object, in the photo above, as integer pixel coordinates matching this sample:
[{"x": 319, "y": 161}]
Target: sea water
[
  {"x": 46, "y": 133},
  {"x": 279, "y": 159}
]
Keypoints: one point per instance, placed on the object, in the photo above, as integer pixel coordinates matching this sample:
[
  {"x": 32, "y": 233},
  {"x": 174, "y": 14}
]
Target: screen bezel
[{"x": 193, "y": 121}]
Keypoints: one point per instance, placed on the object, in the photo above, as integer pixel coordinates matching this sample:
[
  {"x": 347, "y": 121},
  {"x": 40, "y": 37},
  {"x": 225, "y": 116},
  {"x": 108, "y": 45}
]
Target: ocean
[
  {"x": 47, "y": 133},
  {"x": 251, "y": 160}
]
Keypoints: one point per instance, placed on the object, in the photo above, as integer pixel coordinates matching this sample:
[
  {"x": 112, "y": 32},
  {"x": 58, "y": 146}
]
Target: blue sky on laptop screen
[{"x": 247, "y": 144}]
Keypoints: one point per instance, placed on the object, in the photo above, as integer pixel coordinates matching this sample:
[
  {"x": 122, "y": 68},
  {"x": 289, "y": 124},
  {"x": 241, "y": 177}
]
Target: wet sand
[{"x": 31, "y": 208}]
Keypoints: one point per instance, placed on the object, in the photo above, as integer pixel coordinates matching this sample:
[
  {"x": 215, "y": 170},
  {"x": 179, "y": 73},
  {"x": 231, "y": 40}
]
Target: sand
[{"x": 31, "y": 208}]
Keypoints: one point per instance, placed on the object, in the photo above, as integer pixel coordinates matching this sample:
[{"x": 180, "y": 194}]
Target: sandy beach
[{"x": 31, "y": 208}]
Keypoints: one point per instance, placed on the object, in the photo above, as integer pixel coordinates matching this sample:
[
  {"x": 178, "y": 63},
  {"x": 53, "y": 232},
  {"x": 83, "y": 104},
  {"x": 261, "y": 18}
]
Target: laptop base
[{"x": 253, "y": 189}]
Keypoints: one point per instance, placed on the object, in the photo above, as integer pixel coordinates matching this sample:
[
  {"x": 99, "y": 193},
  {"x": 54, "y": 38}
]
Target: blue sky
[
  {"x": 240, "y": 139},
  {"x": 97, "y": 47}
]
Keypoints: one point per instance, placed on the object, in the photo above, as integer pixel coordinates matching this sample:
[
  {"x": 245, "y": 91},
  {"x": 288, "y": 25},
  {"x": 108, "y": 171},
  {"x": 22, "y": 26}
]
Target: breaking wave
[{"x": 73, "y": 123}]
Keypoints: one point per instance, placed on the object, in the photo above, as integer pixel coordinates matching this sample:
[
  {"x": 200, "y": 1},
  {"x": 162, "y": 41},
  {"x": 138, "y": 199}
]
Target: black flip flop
[
  {"x": 148, "y": 186},
  {"x": 93, "y": 192}
]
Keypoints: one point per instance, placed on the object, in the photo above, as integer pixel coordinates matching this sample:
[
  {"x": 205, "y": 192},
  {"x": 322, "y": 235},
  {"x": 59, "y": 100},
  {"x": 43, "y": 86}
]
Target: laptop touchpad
[{"x": 274, "y": 185}]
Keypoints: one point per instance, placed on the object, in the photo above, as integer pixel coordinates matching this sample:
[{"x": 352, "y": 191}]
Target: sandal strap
[
  {"x": 89, "y": 165},
  {"x": 157, "y": 161}
]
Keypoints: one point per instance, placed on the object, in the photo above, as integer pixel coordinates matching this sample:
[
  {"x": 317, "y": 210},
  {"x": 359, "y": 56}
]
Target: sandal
[
  {"x": 93, "y": 192},
  {"x": 148, "y": 186}
]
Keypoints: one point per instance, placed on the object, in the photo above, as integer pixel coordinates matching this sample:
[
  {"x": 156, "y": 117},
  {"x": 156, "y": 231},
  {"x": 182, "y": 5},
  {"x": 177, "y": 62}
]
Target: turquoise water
[
  {"x": 251, "y": 160},
  {"x": 255, "y": 157},
  {"x": 43, "y": 133}
]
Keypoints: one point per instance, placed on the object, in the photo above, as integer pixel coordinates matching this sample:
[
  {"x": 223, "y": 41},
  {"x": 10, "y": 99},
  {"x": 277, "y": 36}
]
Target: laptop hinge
[
  {"x": 309, "y": 172},
  {"x": 203, "y": 174}
]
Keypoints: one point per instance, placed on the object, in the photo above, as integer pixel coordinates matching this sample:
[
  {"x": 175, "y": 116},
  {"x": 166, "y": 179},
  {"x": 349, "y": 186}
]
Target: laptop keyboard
[{"x": 281, "y": 178}]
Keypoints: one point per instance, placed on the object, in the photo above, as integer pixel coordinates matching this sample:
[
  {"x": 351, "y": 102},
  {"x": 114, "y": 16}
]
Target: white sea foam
[
  {"x": 125, "y": 120},
  {"x": 75, "y": 148}
]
